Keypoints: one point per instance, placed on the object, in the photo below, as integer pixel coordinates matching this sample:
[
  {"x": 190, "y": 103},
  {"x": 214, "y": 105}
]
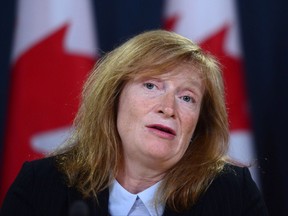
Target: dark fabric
[
  {"x": 265, "y": 42},
  {"x": 40, "y": 190},
  {"x": 7, "y": 21},
  {"x": 119, "y": 20}
]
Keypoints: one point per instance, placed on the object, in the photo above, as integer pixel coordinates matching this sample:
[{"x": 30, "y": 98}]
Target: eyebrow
[{"x": 196, "y": 85}]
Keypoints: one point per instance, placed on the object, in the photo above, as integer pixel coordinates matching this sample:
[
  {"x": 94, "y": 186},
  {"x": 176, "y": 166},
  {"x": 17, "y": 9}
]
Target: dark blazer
[{"x": 40, "y": 189}]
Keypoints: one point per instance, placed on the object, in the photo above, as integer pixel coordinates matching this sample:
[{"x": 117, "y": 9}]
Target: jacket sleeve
[
  {"x": 18, "y": 200},
  {"x": 253, "y": 203}
]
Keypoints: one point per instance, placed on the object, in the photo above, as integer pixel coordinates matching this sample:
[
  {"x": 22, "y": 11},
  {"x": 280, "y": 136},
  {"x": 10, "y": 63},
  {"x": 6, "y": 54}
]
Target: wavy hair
[{"x": 92, "y": 156}]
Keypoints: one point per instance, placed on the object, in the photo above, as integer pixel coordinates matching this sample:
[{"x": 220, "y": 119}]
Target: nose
[{"x": 167, "y": 105}]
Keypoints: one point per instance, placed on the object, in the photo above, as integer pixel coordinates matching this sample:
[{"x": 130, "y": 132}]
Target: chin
[{"x": 161, "y": 157}]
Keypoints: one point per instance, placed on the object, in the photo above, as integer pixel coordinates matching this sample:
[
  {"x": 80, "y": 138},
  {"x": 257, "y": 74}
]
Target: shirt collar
[{"x": 120, "y": 200}]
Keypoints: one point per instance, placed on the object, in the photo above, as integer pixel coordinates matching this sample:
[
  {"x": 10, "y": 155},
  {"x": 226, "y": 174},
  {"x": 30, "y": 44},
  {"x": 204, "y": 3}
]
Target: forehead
[{"x": 190, "y": 72}]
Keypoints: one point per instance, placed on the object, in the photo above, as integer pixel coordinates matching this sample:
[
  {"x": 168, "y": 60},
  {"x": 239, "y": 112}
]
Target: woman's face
[{"x": 158, "y": 115}]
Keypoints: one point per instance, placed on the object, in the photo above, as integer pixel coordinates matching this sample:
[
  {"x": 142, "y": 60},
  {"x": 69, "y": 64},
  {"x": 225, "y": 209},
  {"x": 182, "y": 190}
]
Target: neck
[{"x": 138, "y": 178}]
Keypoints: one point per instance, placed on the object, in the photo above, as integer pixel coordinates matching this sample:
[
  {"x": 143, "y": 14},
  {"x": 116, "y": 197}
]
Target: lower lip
[{"x": 162, "y": 134}]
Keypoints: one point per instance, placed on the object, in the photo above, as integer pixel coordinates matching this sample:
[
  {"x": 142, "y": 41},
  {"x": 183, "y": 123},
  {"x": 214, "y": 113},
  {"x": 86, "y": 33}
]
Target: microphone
[{"x": 79, "y": 208}]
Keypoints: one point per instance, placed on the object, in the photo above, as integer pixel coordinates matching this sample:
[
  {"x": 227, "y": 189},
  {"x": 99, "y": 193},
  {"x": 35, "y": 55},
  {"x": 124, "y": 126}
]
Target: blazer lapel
[
  {"x": 102, "y": 207},
  {"x": 169, "y": 212},
  {"x": 95, "y": 207}
]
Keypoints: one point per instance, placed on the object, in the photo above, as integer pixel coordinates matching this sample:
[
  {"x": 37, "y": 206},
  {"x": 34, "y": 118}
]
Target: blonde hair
[{"x": 93, "y": 154}]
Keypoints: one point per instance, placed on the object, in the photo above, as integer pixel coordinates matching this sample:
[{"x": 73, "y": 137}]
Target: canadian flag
[
  {"x": 213, "y": 25},
  {"x": 54, "y": 49}
]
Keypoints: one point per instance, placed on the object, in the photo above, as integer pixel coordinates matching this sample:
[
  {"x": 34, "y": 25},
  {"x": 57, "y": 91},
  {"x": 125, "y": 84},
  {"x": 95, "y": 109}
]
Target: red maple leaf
[
  {"x": 237, "y": 105},
  {"x": 170, "y": 22},
  {"x": 46, "y": 86}
]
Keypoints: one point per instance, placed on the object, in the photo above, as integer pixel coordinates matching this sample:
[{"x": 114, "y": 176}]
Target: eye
[
  {"x": 187, "y": 99},
  {"x": 149, "y": 85}
]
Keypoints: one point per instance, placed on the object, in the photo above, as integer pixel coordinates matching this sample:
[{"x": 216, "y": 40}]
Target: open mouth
[{"x": 163, "y": 129}]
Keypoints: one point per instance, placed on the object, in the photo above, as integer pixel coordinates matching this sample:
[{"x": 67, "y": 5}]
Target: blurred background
[{"x": 48, "y": 47}]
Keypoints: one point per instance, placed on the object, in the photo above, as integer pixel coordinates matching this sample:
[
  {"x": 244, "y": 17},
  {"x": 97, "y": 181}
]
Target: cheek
[
  {"x": 189, "y": 125},
  {"x": 123, "y": 117},
  {"x": 127, "y": 115}
]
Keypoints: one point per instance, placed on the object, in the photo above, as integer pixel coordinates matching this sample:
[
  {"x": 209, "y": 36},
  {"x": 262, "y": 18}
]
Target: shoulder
[
  {"x": 233, "y": 176},
  {"x": 46, "y": 176},
  {"x": 39, "y": 185},
  {"x": 43, "y": 167},
  {"x": 43, "y": 172},
  {"x": 229, "y": 184},
  {"x": 233, "y": 192}
]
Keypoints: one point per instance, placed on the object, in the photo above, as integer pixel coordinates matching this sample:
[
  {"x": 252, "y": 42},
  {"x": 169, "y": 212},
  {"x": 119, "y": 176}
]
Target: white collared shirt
[{"x": 124, "y": 203}]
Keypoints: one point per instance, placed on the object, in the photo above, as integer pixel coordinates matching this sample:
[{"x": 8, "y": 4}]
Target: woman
[{"x": 150, "y": 138}]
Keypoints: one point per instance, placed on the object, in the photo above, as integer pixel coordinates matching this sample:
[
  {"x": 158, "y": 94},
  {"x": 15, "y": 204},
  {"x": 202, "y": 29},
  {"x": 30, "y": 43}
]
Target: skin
[{"x": 156, "y": 120}]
